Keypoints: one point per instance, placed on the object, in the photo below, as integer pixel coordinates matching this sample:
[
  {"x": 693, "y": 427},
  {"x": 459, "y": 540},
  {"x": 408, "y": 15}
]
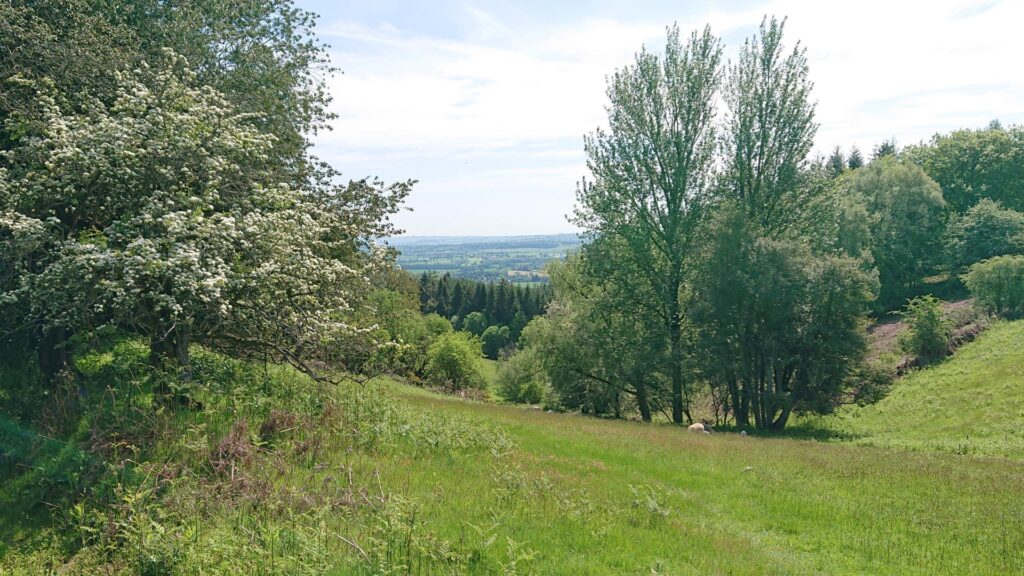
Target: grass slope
[
  {"x": 389, "y": 479},
  {"x": 604, "y": 497},
  {"x": 971, "y": 403}
]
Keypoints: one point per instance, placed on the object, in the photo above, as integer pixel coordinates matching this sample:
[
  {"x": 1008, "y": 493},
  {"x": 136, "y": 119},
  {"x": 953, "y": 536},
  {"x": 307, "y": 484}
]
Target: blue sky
[{"x": 486, "y": 103}]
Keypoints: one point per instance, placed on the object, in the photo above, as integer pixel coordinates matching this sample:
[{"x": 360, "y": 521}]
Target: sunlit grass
[
  {"x": 386, "y": 478},
  {"x": 971, "y": 403}
]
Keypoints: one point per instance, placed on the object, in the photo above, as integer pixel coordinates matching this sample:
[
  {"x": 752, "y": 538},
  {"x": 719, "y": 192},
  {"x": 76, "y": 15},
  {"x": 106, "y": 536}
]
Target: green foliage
[
  {"x": 779, "y": 328},
  {"x": 652, "y": 169},
  {"x": 502, "y": 303},
  {"x": 905, "y": 210},
  {"x": 494, "y": 340},
  {"x": 769, "y": 131},
  {"x": 985, "y": 230},
  {"x": 928, "y": 329},
  {"x": 855, "y": 160},
  {"x": 452, "y": 361},
  {"x": 887, "y": 149},
  {"x": 836, "y": 162},
  {"x": 475, "y": 323},
  {"x": 521, "y": 378},
  {"x": 154, "y": 158},
  {"x": 971, "y": 165},
  {"x": 998, "y": 284},
  {"x": 437, "y": 325}
]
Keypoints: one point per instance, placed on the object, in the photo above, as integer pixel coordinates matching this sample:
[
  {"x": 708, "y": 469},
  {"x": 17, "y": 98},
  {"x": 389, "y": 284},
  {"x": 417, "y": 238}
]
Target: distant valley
[{"x": 519, "y": 259}]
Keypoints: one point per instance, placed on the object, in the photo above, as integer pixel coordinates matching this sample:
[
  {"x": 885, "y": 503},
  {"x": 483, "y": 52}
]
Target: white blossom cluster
[{"x": 156, "y": 213}]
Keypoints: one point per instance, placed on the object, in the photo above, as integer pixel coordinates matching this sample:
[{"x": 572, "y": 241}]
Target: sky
[{"x": 486, "y": 103}]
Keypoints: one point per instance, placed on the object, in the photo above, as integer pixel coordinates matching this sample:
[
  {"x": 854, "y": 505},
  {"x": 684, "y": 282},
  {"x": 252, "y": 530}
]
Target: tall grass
[{"x": 276, "y": 474}]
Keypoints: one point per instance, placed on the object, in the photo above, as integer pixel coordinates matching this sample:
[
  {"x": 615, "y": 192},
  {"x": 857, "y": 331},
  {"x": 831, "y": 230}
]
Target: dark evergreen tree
[
  {"x": 886, "y": 148},
  {"x": 480, "y": 299},
  {"x": 426, "y": 294},
  {"x": 855, "y": 160},
  {"x": 836, "y": 162},
  {"x": 443, "y": 297},
  {"x": 491, "y": 310},
  {"x": 457, "y": 300}
]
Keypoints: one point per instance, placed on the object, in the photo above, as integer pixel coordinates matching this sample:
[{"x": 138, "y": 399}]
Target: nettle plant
[{"x": 159, "y": 214}]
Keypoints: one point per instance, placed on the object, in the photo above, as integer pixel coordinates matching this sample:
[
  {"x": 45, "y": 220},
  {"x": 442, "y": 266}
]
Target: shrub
[
  {"x": 521, "y": 378},
  {"x": 437, "y": 324},
  {"x": 494, "y": 339},
  {"x": 452, "y": 361},
  {"x": 928, "y": 330},
  {"x": 475, "y": 323},
  {"x": 985, "y": 231},
  {"x": 998, "y": 284}
]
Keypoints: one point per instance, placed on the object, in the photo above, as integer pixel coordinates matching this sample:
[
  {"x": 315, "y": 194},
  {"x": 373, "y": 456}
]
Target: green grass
[
  {"x": 734, "y": 505},
  {"x": 971, "y": 403},
  {"x": 489, "y": 369},
  {"x": 390, "y": 479}
]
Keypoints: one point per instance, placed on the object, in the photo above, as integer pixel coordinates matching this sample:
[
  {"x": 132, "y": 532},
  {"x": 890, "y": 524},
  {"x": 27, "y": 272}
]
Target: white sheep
[{"x": 699, "y": 427}]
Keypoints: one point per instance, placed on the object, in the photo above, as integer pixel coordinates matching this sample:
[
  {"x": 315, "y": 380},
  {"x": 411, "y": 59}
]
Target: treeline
[
  {"x": 476, "y": 306},
  {"x": 727, "y": 272}
]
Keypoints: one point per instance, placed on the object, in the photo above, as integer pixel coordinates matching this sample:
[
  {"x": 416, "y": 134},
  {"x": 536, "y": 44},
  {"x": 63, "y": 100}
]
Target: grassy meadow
[{"x": 388, "y": 479}]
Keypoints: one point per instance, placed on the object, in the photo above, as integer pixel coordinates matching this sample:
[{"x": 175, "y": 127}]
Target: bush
[
  {"x": 998, "y": 284},
  {"x": 437, "y": 325},
  {"x": 521, "y": 378},
  {"x": 928, "y": 330},
  {"x": 475, "y": 323},
  {"x": 985, "y": 231},
  {"x": 452, "y": 361},
  {"x": 494, "y": 339}
]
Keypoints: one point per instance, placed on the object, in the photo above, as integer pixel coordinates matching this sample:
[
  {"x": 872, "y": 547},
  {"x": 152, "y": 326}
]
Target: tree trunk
[
  {"x": 182, "y": 341},
  {"x": 675, "y": 336},
  {"x": 780, "y": 422},
  {"x": 642, "y": 403},
  {"x": 169, "y": 350},
  {"x": 739, "y": 405},
  {"x": 52, "y": 354}
]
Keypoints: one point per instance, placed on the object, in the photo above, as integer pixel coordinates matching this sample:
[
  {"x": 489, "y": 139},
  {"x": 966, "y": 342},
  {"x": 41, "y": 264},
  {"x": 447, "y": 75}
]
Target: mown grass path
[{"x": 590, "y": 496}]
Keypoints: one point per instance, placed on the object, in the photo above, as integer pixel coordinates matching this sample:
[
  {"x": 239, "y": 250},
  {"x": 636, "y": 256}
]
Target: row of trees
[
  {"x": 496, "y": 312},
  {"x": 499, "y": 302},
  {"x": 155, "y": 180},
  {"x": 915, "y": 217},
  {"x": 721, "y": 259}
]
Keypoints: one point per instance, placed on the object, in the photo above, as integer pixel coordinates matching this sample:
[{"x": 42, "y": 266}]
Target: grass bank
[
  {"x": 278, "y": 475},
  {"x": 970, "y": 403}
]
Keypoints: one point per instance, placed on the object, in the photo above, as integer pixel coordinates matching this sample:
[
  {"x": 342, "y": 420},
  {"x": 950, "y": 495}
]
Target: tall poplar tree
[
  {"x": 652, "y": 170},
  {"x": 769, "y": 131}
]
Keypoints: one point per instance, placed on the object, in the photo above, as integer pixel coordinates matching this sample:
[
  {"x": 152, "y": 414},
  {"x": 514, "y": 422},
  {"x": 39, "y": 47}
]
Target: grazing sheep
[
  {"x": 743, "y": 432},
  {"x": 698, "y": 427}
]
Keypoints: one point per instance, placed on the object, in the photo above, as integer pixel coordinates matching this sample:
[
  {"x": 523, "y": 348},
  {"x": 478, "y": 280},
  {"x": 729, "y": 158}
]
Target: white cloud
[{"x": 503, "y": 111}]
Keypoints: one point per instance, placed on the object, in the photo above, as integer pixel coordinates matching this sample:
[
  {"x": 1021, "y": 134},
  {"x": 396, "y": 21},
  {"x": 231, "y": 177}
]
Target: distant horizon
[{"x": 512, "y": 235}]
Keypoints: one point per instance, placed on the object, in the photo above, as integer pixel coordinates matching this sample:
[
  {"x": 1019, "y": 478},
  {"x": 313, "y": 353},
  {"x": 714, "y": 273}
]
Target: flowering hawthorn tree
[{"x": 158, "y": 214}]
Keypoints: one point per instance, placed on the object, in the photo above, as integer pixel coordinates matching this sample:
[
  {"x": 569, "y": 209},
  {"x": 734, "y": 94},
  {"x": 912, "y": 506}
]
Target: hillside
[
  {"x": 971, "y": 403},
  {"x": 284, "y": 476}
]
